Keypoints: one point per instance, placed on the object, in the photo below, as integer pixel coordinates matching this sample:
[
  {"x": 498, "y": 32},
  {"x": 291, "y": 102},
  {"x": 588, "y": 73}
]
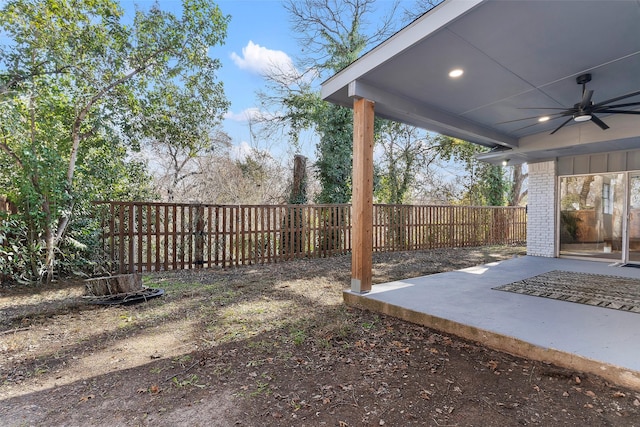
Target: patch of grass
[
  {"x": 370, "y": 325},
  {"x": 296, "y": 405},
  {"x": 323, "y": 342},
  {"x": 261, "y": 388},
  {"x": 246, "y": 319},
  {"x": 125, "y": 321},
  {"x": 182, "y": 360},
  {"x": 298, "y": 337},
  {"x": 191, "y": 381},
  {"x": 263, "y": 346},
  {"x": 221, "y": 370},
  {"x": 224, "y": 298},
  {"x": 177, "y": 287},
  {"x": 40, "y": 371}
]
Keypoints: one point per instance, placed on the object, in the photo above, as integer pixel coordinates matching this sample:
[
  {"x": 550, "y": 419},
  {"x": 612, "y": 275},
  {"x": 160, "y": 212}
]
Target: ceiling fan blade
[
  {"x": 559, "y": 127},
  {"x": 517, "y": 120},
  {"x": 599, "y": 122},
  {"x": 629, "y": 104},
  {"x": 586, "y": 99},
  {"x": 536, "y": 117},
  {"x": 543, "y": 108},
  {"x": 618, "y": 111},
  {"x": 618, "y": 98}
]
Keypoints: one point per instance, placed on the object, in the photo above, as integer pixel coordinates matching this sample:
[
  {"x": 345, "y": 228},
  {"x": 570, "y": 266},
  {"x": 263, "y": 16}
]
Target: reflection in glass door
[
  {"x": 633, "y": 223},
  {"x": 591, "y": 216}
]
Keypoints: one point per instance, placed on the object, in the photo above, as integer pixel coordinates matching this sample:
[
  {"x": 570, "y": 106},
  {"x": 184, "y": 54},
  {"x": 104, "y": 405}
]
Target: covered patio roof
[{"x": 516, "y": 56}]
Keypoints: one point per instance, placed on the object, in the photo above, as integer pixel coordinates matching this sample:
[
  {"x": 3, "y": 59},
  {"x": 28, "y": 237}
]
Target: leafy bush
[
  {"x": 22, "y": 256},
  {"x": 570, "y": 224},
  {"x": 19, "y": 258}
]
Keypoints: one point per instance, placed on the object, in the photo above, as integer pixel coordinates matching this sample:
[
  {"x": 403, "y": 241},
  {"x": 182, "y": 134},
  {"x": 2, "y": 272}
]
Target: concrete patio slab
[{"x": 596, "y": 340}]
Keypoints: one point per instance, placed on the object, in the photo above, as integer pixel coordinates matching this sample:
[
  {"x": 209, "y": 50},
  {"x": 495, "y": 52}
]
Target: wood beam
[{"x": 362, "y": 195}]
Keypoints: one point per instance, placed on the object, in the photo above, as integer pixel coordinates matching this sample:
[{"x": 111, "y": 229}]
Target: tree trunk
[
  {"x": 516, "y": 194},
  {"x": 299, "y": 188},
  {"x": 113, "y": 285},
  {"x": 292, "y": 238},
  {"x": 50, "y": 244},
  {"x": 584, "y": 192},
  {"x": 50, "y": 255}
]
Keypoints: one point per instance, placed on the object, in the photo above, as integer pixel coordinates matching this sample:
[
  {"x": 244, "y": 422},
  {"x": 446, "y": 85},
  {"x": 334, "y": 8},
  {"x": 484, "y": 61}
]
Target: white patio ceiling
[{"x": 515, "y": 54}]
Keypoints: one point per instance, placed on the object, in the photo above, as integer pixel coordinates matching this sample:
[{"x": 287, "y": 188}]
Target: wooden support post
[{"x": 362, "y": 196}]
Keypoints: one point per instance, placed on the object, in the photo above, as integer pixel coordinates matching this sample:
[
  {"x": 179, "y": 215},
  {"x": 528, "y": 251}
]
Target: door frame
[{"x": 626, "y": 251}]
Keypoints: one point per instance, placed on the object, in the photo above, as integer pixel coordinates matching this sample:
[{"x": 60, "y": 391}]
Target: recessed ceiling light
[
  {"x": 455, "y": 73},
  {"x": 543, "y": 118}
]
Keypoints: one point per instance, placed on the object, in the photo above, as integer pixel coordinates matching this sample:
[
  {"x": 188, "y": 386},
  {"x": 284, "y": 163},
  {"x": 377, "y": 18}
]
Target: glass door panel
[{"x": 591, "y": 216}]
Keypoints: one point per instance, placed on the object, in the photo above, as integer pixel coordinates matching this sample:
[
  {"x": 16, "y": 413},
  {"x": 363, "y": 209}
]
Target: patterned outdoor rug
[{"x": 620, "y": 293}]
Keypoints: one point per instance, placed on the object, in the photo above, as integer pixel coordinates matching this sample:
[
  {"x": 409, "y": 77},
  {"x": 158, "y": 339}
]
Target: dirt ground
[{"x": 274, "y": 345}]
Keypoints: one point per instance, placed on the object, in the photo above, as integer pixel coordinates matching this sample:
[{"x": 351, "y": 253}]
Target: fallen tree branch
[{"x": 15, "y": 330}]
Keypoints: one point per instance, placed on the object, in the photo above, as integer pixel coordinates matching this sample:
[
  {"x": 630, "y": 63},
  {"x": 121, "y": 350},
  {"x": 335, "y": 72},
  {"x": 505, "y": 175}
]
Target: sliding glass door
[{"x": 592, "y": 216}]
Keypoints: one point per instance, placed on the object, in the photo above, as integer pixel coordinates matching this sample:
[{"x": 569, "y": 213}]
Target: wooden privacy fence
[{"x": 168, "y": 236}]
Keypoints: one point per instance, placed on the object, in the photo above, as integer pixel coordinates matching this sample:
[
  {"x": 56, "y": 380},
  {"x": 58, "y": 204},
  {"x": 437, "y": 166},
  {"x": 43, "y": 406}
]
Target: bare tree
[
  {"x": 256, "y": 178},
  {"x": 405, "y": 152},
  {"x": 519, "y": 191},
  {"x": 419, "y": 8},
  {"x": 433, "y": 187},
  {"x": 333, "y": 33},
  {"x": 177, "y": 167}
]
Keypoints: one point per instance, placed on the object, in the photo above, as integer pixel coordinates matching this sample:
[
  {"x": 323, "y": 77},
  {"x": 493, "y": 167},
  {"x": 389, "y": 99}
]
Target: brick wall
[{"x": 541, "y": 209}]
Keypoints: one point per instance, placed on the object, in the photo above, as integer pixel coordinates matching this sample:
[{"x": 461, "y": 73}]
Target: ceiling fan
[{"x": 586, "y": 110}]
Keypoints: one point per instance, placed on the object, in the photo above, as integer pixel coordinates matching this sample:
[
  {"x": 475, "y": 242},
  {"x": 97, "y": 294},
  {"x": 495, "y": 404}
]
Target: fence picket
[{"x": 154, "y": 236}]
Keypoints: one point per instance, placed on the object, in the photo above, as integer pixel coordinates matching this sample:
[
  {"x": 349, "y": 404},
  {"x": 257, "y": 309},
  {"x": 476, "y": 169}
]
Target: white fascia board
[
  {"x": 408, "y": 110},
  {"x": 419, "y": 29}
]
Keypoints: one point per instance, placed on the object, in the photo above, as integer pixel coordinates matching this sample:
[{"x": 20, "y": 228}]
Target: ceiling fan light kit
[{"x": 582, "y": 118}]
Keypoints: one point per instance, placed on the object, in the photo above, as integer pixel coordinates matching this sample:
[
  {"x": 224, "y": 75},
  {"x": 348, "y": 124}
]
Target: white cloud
[
  {"x": 250, "y": 114},
  {"x": 265, "y": 62}
]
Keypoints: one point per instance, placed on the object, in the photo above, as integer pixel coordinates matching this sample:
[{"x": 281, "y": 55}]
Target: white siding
[{"x": 541, "y": 209}]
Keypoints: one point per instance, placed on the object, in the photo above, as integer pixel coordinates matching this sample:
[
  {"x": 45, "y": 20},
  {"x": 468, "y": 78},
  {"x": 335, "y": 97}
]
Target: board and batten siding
[{"x": 614, "y": 161}]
